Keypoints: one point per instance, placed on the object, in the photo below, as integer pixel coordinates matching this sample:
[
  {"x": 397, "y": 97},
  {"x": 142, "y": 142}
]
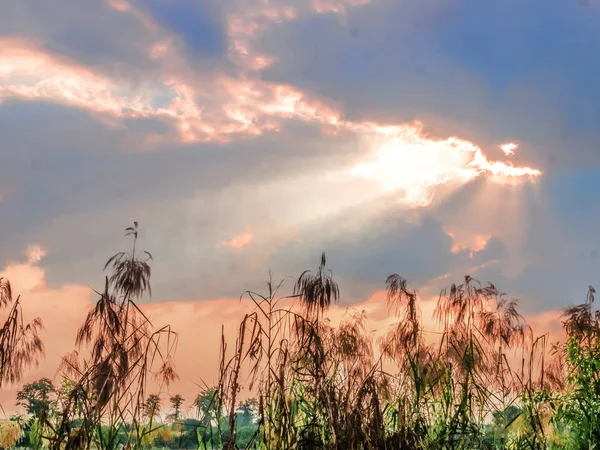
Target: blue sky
[{"x": 211, "y": 120}]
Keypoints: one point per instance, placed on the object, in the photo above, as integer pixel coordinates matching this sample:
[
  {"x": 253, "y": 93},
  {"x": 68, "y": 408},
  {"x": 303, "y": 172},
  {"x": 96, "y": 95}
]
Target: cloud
[
  {"x": 38, "y": 300},
  {"x": 336, "y": 6},
  {"x": 139, "y": 184},
  {"x": 239, "y": 240},
  {"x": 60, "y": 80},
  {"x": 233, "y": 106},
  {"x": 509, "y": 149},
  {"x": 295, "y": 120},
  {"x": 35, "y": 253}
]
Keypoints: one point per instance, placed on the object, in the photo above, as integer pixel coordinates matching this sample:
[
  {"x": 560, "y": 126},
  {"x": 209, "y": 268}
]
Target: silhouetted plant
[
  {"x": 317, "y": 290},
  {"x": 20, "y": 344},
  {"x": 123, "y": 351},
  {"x": 479, "y": 381}
]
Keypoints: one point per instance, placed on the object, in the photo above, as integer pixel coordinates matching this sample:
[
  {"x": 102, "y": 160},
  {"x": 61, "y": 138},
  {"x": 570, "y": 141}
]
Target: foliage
[
  {"x": 579, "y": 410},
  {"x": 35, "y": 397},
  {"x": 323, "y": 387},
  {"x": 10, "y": 433},
  {"x": 176, "y": 402},
  {"x": 293, "y": 380},
  {"x": 124, "y": 349},
  {"x": 247, "y": 412},
  {"x": 151, "y": 407}
]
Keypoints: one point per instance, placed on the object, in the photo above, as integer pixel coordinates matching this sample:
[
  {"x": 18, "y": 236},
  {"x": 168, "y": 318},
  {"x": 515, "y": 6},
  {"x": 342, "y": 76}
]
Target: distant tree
[
  {"x": 36, "y": 397},
  {"x": 246, "y": 435},
  {"x": 503, "y": 419},
  {"x": 176, "y": 402},
  {"x": 151, "y": 407},
  {"x": 164, "y": 438},
  {"x": 206, "y": 405},
  {"x": 247, "y": 412},
  {"x": 208, "y": 409}
]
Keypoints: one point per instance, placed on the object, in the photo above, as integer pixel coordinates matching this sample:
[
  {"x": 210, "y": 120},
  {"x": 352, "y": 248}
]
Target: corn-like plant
[{"x": 123, "y": 349}]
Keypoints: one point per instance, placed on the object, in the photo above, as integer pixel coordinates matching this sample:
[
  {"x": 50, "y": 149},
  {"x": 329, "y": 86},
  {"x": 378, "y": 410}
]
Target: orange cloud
[
  {"x": 29, "y": 73},
  {"x": 238, "y": 105},
  {"x": 125, "y": 7},
  {"x": 549, "y": 322},
  {"x": 336, "y": 6},
  {"x": 245, "y": 24},
  {"x": 475, "y": 243},
  {"x": 233, "y": 106},
  {"x": 239, "y": 241},
  {"x": 119, "y": 5},
  {"x": 64, "y": 309}
]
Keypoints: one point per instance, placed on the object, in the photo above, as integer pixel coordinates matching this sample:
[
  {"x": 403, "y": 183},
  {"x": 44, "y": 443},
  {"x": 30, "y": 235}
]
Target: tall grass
[{"x": 479, "y": 380}]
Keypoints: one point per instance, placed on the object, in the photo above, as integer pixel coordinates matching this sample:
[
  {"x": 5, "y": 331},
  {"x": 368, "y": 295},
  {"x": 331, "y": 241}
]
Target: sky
[{"x": 431, "y": 138}]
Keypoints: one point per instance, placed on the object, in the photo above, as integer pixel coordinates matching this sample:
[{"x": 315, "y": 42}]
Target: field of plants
[{"x": 483, "y": 380}]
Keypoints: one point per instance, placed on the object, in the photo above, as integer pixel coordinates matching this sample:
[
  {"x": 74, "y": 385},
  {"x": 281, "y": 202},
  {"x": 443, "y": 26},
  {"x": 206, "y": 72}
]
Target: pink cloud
[
  {"x": 239, "y": 241},
  {"x": 548, "y": 322},
  {"x": 119, "y": 5},
  {"x": 473, "y": 242},
  {"x": 59, "y": 79},
  {"x": 64, "y": 309},
  {"x": 336, "y": 6},
  {"x": 238, "y": 105}
]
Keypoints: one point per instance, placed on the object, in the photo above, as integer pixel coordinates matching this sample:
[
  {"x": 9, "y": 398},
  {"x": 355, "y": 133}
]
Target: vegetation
[{"x": 480, "y": 380}]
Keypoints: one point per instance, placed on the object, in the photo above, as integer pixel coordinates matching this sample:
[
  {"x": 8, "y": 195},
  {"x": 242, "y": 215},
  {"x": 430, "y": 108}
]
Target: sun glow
[{"x": 415, "y": 164}]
